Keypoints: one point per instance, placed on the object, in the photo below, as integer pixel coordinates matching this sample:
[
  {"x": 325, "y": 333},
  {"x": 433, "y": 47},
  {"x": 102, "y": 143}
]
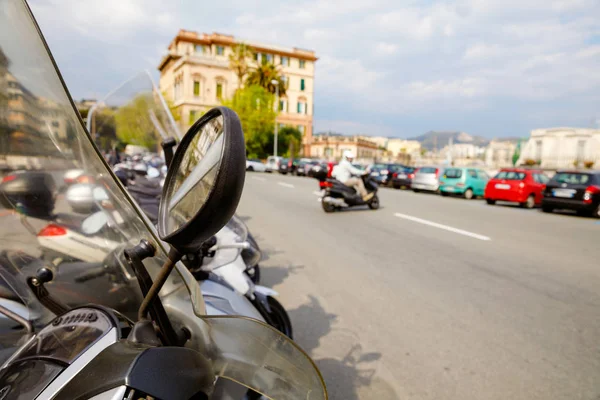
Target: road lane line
[
  {"x": 259, "y": 179},
  {"x": 288, "y": 185},
  {"x": 444, "y": 227}
]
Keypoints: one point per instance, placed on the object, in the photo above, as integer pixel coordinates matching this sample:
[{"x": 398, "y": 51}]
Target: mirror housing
[{"x": 221, "y": 189}]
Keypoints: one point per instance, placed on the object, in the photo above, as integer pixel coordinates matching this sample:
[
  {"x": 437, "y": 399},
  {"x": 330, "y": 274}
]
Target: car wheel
[
  {"x": 250, "y": 169},
  {"x": 490, "y": 201},
  {"x": 468, "y": 194},
  {"x": 547, "y": 209},
  {"x": 596, "y": 212},
  {"x": 444, "y": 194},
  {"x": 397, "y": 186},
  {"x": 416, "y": 190},
  {"x": 529, "y": 203},
  {"x": 374, "y": 203}
]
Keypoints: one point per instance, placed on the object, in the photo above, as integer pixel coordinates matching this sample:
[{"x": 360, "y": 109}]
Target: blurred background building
[{"x": 195, "y": 76}]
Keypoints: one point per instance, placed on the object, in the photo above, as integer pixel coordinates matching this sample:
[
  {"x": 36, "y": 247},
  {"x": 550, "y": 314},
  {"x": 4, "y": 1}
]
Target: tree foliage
[
  {"x": 133, "y": 123},
  {"x": 263, "y": 75},
  {"x": 238, "y": 61},
  {"x": 289, "y": 141},
  {"x": 254, "y": 105}
]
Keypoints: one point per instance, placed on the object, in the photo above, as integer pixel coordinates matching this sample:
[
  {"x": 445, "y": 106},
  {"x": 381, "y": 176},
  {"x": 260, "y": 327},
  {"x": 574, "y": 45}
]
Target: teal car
[{"x": 467, "y": 182}]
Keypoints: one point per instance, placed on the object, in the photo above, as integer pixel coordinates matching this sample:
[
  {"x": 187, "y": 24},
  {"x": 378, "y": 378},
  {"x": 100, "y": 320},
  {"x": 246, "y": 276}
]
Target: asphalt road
[{"x": 431, "y": 297}]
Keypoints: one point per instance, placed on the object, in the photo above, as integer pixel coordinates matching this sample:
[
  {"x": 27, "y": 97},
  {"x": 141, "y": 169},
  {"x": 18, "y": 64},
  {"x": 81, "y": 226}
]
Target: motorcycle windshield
[
  {"x": 233, "y": 233},
  {"x": 135, "y": 112}
]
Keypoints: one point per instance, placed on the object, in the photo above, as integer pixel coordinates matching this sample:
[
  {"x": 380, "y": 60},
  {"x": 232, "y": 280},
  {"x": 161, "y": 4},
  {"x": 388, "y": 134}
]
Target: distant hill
[{"x": 439, "y": 139}]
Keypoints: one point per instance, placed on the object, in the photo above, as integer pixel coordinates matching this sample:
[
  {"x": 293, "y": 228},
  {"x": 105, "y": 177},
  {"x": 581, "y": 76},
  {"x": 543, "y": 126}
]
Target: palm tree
[
  {"x": 263, "y": 75},
  {"x": 238, "y": 60}
]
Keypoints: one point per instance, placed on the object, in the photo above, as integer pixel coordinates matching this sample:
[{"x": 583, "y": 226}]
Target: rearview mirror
[{"x": 204, "y": 182}]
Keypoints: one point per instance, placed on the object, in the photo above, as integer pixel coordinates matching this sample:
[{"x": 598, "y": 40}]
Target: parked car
[
  {"x": 273, "y": 163},
  {"x": 468, "y": 182},
  {"x": 304, "y": 166},
  {"x": 523, "y": 186},
  {"x": 255, "y": 165},
  {"x": 317, "y": 169},
  {"x": 573, "y": 190},
  {"x": 382, "y": 173},
  {"x": 403, "y": 177},
  {"x": 426, "y": 179},
  {"x": 284, "y": 166}
]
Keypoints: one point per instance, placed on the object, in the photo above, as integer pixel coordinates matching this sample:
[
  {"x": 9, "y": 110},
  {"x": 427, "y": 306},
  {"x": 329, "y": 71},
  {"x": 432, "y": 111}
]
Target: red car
[{"x": 523, "y": 186}]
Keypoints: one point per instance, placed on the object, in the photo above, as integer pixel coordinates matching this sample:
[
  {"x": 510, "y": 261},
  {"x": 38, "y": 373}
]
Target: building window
[
  {"x": 220, "y": 50},
  {"x": 301, "y": 64},
  {"x": 198, "y": 49},
  {"x": 258, "y": 57},
  {"x": 192, "y": 117},
  {"x": 302, "y": 85},
  {"x": 196, "y": 88},
  {"x": 580, "y": 150},
  {"x": 301, "y": 128},
  {"x": 178, "y": 87},
  {"x": 282, "y": 105},
  {"x": 285, "y": 61},
  {"x": 538, "y": 150},
  {"x": 219, "y": 90},
  {"x": 270, "y": 58},
  {"x": 301, "y": 108}
]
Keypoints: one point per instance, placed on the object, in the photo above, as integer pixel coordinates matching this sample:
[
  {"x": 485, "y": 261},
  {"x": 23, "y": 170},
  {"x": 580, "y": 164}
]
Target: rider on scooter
[{"x": 349, "y": 175}]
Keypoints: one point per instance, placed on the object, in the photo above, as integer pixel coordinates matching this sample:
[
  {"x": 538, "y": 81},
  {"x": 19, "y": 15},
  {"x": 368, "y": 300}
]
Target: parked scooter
[{"x": 170, "y": 349}]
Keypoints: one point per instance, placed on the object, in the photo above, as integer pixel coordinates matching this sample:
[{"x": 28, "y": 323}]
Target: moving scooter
[{"x": 336, "y": 195}]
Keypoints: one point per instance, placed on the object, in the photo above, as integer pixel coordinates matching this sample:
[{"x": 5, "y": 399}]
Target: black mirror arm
[
  {"x": 167, "y": 145},
  {"x": 36, "y": 284},
  {"x": 134, "y": 257}
]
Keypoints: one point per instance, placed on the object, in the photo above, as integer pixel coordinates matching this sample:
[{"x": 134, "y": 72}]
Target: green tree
[
  {"x": 133, "y": 123},
  {"x": 289, "y": 141},
  {"x": 238, "y": 61},
  {"x": 254, "y": 105},
  {"x": 263, "y": 75}
]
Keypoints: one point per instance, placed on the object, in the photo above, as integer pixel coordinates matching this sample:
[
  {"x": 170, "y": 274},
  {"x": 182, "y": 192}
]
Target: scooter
[
  {"x": 336, "y": 195},
  {"x": 169, "y": 348}
]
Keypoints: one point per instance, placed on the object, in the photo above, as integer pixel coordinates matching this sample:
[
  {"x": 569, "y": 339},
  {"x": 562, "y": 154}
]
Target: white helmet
[{"x": 348, "y": 154}]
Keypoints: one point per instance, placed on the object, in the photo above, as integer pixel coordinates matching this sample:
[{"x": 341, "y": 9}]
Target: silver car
[{"x": 426, "y": 179}]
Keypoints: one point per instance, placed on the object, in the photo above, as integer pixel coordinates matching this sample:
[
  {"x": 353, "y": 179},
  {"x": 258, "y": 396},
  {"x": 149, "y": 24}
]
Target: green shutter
[
  {"x": 219, "y": 90},
  {"x": 298, "y": 109},
  {"x": 302, "y": 84},
  {"x": 196, "y": 88}
]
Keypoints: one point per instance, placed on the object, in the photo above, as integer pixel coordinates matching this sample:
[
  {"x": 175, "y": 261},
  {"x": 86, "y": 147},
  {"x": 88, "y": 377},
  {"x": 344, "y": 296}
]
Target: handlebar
[{"x": 240, "y": 245}]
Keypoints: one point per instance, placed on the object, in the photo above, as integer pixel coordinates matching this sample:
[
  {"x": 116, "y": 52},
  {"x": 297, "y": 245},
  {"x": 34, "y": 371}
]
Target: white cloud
[{"x": 384, "y": 59}]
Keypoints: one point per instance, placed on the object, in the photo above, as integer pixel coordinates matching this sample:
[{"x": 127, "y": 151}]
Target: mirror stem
[
  {"x": 167, "y": 145},
  {"x": 161, "y": 278}
]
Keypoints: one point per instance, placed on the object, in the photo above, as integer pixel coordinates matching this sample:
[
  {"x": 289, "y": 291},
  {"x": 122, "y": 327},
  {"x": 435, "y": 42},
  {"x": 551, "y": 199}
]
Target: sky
[{"x": 494, "y": 68}]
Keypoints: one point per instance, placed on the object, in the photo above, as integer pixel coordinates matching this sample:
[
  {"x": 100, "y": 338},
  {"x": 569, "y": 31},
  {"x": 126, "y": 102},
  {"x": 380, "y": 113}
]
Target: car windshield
[
  {"x": 510, "y": 175},
  {"x": 453, "y": 173},
  {"x": 427, "y": 170},
  {"x": 572, "y": 178}
]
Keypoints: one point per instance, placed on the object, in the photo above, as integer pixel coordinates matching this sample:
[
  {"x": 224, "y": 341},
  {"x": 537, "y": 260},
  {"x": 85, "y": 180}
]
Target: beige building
[
  {"x": 331, "y": 148},
  {"x": 195, "y": 76},
  {"x": 499, "y": 154},
  {"x": 396, "y": 147},
  {"x": 562, "y": 148}
]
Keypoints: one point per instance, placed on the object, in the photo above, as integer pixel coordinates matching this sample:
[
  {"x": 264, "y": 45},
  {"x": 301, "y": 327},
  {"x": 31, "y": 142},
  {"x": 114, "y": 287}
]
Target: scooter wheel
[
  {"x": 327, "y": 207},
  {"x": 279, "y": 318},
  {"x": 374, "y": 203}
]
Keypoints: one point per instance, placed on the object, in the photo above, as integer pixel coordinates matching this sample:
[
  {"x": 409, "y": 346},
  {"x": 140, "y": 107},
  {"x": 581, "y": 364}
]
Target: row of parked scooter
[{"x": 82, "y": 268}]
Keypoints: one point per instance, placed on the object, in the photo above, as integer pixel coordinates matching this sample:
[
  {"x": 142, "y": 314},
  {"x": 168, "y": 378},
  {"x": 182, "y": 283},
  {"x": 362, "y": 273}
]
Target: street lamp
[{"x": 276, "y": 83}]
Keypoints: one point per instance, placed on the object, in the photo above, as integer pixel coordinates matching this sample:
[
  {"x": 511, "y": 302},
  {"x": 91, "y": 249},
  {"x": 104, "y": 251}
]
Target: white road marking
[
  {"x": 317, "y": 193},
  {"x": 259, "y": 179},
  {"x": 288, "y": 185},
  {"x": 440, "y": 226}
]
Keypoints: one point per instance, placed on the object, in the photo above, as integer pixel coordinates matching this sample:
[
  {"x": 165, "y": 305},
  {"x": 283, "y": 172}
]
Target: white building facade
[{"x": 562, "y": 148}]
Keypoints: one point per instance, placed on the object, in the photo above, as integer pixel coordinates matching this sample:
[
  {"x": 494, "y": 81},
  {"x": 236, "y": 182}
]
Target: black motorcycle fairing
[
  {"x": 160, "y": 372},
  {"x": 348, "y": 193},
  {"x": 24, "y": 380}
]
